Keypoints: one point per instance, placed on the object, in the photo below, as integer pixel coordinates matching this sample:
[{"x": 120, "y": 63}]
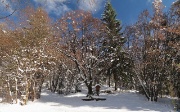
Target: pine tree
[{"x": 112, "y": 45}]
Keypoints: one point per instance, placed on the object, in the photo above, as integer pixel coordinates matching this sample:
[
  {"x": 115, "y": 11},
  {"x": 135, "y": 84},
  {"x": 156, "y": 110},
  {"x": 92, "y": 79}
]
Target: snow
[
  {"x": 175, "y": 2},
  {"x": 118, "y": 102},
  {"x": 4, "y": 31}
]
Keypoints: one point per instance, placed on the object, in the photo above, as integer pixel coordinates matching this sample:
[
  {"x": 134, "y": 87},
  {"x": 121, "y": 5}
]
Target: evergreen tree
[{"x": 112, "y": 45}]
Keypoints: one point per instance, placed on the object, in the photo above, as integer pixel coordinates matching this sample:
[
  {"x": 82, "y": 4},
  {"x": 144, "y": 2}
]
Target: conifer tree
[{"x": 112, "y": 45}]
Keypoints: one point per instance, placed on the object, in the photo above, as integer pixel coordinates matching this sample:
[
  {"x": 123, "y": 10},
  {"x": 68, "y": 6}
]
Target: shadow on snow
[{"x": 129, "y": 101}]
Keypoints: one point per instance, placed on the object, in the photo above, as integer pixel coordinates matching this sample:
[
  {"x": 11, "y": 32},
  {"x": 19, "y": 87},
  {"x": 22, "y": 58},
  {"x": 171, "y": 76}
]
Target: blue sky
[{"x": 127, "y": 10}]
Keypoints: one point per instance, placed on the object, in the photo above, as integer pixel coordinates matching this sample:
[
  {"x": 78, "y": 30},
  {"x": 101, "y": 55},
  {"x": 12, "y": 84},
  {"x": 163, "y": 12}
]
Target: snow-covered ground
[{"x": 118, "y": 102}]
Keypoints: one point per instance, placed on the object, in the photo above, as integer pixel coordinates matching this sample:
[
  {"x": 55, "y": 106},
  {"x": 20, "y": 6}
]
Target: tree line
[{"x": 79, "y": 48}]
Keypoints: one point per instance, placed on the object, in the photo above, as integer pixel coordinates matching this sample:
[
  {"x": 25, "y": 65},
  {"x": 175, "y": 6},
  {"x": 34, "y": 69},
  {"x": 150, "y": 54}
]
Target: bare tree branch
[{"x": 8, "y": 15}]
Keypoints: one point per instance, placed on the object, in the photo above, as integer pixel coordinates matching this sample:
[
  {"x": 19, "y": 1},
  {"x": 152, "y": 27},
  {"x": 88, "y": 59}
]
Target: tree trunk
[
  {"x": 144, "y": 89},
  {"x": 90, "y": 91},
  {"x": 109, "y": 77},
  {"x": 89, "y": 86},
  {"x": 115, "y": 86},
  {"x": 115, "y": 81},
  {"x": 109, "y": 80},
  {"x": 9, "y": 96},
  {"x": 16, "y": 89}
]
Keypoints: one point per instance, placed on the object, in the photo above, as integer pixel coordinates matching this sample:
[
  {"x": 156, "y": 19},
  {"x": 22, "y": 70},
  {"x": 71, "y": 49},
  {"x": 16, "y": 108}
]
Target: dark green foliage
[{"x": 113, "y": 51}]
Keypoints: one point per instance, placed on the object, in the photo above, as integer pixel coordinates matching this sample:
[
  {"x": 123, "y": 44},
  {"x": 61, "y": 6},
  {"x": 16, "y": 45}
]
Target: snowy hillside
[{"x": 118, "y": 102}]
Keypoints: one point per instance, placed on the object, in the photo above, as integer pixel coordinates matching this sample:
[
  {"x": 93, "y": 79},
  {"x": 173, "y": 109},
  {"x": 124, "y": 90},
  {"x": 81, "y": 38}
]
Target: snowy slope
[{"x": 119, "y": 102}]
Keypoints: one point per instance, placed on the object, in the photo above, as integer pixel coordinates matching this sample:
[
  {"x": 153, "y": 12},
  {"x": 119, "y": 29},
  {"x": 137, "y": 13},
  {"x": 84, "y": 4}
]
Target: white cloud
[
  {"x": 150, "y": 1},
  {"x": 57, "y": 7},
  {"x": 91, "y": 5}
]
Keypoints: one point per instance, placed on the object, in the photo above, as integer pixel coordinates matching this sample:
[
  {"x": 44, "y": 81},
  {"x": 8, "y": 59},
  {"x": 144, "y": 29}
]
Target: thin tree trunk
[
  {"x": 109, "y": 77},
  {"x": 16, "y": 89},
  {"x": 26, "y": 97},
  {"x": 109, "y": 80},
  {"x": 115, "y": 82},
  {"x": 115, "y": 87},
  {"x": 9, "y": 90},
  {"x": 146, "y": 93}
]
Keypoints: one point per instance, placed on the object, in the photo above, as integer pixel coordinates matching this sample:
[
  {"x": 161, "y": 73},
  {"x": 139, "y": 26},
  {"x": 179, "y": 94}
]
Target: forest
[{"x": 78, "y": 48}]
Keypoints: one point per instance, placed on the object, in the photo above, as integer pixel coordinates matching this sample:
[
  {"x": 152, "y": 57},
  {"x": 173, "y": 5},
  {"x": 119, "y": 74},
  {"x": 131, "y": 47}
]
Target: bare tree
[{"x": 80, "y": 39}]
